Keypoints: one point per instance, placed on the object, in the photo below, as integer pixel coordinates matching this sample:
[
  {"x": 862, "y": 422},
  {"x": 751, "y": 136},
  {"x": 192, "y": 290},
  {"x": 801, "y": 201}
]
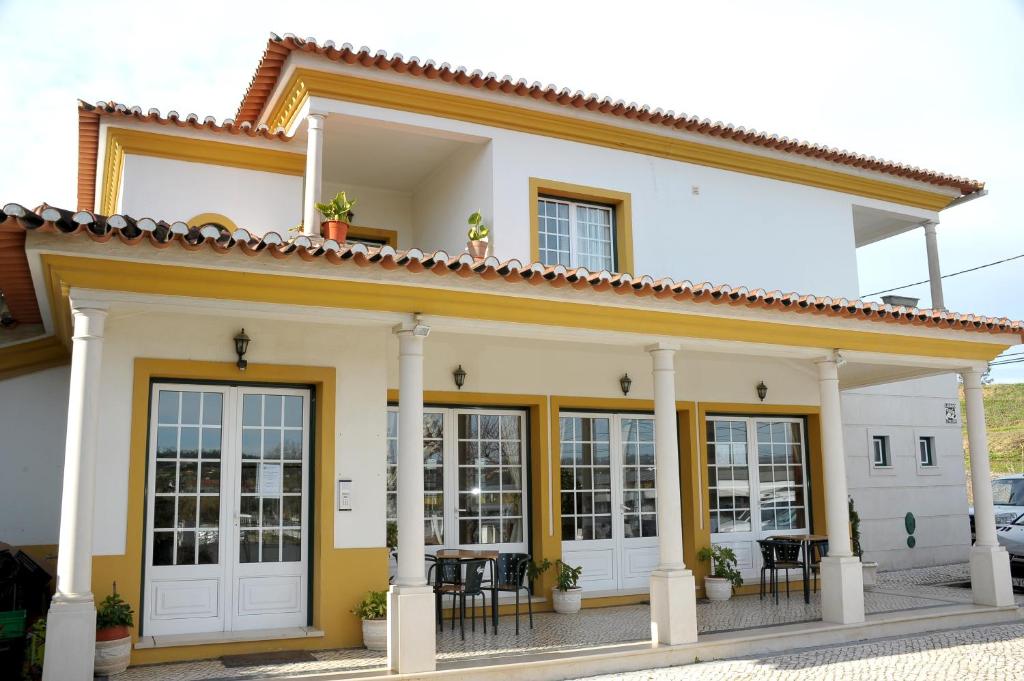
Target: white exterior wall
[
  {"x": 164, "y": 189},
  {"x": 443, "y": 202},
  {"x": 33, "y": 422},
  {"x": 937, "y": 497}
]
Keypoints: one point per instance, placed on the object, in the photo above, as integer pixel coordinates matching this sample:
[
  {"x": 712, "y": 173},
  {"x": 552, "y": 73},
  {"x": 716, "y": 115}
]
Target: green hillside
[{"x": 1004, "y": 415}]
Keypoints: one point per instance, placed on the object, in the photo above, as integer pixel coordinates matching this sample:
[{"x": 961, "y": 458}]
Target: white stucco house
[{"x": 226, "y": 500}]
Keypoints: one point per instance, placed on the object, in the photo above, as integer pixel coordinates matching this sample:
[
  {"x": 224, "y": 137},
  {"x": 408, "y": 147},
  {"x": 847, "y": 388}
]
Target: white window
[
  {"x": 576, "y": 234},
  {"x": 926, "y": 451},
  {"x": 880, "y": 451}
]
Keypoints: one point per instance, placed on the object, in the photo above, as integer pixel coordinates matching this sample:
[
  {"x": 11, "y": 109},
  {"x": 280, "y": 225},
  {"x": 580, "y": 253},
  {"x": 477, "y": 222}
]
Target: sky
[{"x": 938, "y": 84}]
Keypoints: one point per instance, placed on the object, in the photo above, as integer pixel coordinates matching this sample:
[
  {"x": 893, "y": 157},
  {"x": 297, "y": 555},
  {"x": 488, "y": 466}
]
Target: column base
[
  {"x": 842, "y": 590},
  {"x": 990, "y": 576},
  {"x": 70, "y": 639},
  {"x": 673, "y": 607},
  {"x": 411, "y": 629}
]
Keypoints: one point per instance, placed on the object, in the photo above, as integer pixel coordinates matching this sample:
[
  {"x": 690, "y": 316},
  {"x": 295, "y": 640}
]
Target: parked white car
[{"x": 1007, "y": 499}]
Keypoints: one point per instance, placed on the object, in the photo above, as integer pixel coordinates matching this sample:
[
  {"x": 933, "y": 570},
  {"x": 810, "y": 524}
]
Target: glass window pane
[
  {"x": 291, "y": 546},
  {"x": 163, "y": 548},
  {"x": 252, "y": 410},
  {"x": 189, "y": 448},
  {"x": 166, "y": 442},
  {"x": 167, "y": 409},
  {"x": 190, "y": 408},
  {"x": 187, "y": 512},
  {"x": 271, "y": 546},
  {"x": 186, "y": 554},
  {"x": 209, "y": 547},
  {"x": 293, "y": 411},
  {"x": 163, "y": 512},
  {"x": 212, "y": 403},
  {"x": 209, "y": 511},
  {"x": 249, "y": 546}
]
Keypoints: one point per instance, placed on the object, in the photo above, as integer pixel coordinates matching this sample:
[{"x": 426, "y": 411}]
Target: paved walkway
[
  {"x": 594, "y": 628},
  {"x": 984, "y": 653}
]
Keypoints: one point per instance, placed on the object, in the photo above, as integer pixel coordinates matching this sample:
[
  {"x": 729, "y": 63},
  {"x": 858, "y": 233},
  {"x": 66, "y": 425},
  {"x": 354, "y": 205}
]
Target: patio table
[
  {"x": 807, "y": 541},
  {"x": 465, "y": 555}
]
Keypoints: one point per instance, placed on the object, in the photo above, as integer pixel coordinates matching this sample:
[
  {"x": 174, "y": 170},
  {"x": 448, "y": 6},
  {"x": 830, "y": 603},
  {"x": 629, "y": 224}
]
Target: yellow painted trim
[
  {"x": 340, "y": 576},
  {"x": 699, "y": 535},
  {"x": 32, "y": 356},
  {"x": 388, "y": 236},
  {"x": 306, "y": 83},
  {"x": 620, "y": 201},
  {"x": 63, "y": 271},
  {"x": 122, "y": 141},
  {"x": 217, "y": 218}
]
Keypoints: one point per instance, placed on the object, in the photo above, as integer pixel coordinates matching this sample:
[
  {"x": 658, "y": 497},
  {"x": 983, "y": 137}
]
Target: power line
[{"x": 944, "y": 276}]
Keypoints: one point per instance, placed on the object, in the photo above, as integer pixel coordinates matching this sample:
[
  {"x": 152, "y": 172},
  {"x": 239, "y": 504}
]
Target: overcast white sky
[{"x": 939, "y": 84}]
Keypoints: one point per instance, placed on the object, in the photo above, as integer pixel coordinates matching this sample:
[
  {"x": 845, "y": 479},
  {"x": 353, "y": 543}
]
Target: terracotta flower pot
[
  {"x": 113, "y": 650},
  {"x": 334, "y": 229},
  {"x": 477, "y": 249}
]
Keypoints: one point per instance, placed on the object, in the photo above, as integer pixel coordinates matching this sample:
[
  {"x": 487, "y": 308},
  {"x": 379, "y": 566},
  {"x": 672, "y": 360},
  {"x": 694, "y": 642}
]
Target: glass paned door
[
  {"x": 756, "y": 483},
  {"x": 609, "y": 498},
  {"x": 226, "y": 509}
]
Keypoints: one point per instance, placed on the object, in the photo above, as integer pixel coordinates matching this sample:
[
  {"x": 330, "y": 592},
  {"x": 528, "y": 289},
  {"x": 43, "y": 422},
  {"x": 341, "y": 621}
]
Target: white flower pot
[
  {"x": 567, "y": 602},
  {"x": 375, "y": 634},
  {"x": 717, "y": 588},
  {"x": 112, "y": 657},
  {"x": 870, "y": 579}
]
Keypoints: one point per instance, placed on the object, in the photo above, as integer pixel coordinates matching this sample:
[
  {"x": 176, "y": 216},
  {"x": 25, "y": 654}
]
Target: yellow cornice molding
[
  {"x": 31, "y": 356},
  {"x": 65, "y": 271},
  {"x": 122, "y": 141},
  {"x": 306, "y": 83}
]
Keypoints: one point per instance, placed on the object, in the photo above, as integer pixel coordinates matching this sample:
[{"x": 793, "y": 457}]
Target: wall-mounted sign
[{"x": 950, "y": 412}]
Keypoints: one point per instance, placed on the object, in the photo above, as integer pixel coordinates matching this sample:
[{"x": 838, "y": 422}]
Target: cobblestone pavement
[
  {"x": 993, "y": 653},
  {"x": 592, "y": 628}
]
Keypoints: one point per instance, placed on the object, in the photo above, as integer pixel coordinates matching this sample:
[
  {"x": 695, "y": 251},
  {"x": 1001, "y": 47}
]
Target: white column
[
  {"x": 990, "y": 564},
  {"x": 71, "y": 621},
  {"x": 934, "y": 273},
  {"x": 411, "y": 624},
  {"x": 673, "y": 593},
  {"x": 842, "y": 579},
  {"x": 314, "y": 174}
]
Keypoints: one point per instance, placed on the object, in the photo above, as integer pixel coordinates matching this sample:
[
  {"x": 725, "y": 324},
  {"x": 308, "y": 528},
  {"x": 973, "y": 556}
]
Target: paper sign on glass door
[{"x": 270, "y": 479}]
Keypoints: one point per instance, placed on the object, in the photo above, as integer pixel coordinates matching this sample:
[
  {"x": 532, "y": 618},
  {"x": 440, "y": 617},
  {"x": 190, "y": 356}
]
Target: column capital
[
  {"x": 88, "y": 321},
  {"x": 929, "y": 226},
  {"x": 828, "y": 366},
  {"x": 972, "y": 377},
  {"x": 662, "y": 345},
  {"x": 316, "y": 120}
]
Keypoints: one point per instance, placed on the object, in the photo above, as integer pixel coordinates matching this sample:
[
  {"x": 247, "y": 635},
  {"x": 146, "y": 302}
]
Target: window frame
[
  {"x": 620, "y": 203},
  {"x": 929, "y": 449},
  {"x": 886, "y": 451},
  {"x": 574, "y": 230}
]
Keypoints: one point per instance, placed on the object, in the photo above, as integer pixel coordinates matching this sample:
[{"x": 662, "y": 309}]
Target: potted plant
[
  {"x": 337, "y": 212},
  {"x": 114, "y": 620},
  {"x": 724, "y": 577},
  {"x": 566, "y": 597},
  {"x": 478, "y": 231},
  {"x": 373, "y": 610},
  {"x": 870, "y": 568}
]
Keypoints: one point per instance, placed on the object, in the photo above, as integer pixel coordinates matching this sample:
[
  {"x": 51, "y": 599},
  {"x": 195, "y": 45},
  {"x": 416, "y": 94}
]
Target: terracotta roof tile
[
  {"x": 278, "y": 48},
  {"x": 191, "y": 121},
  {"x": 159, "y": 234}
]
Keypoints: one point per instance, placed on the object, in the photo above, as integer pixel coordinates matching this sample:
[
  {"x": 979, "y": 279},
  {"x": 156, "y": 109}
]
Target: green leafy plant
[
  {"x": 566, "y": 576},
  {"x": 36, "y": 637},
  {"x": 373, "y": 607},
  {"x": 392, "y": 536},
  {"x": 477, "y": 229},
  {"x": 113, "y": 611},
  {"x": 337, "y": 208},
  {"x": 723, "y": 563},
  {"x": 855, "y": 531}
]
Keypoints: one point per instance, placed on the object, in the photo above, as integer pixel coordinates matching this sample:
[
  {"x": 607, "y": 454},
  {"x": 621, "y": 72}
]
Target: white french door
[
  {"x": 757, "y": 484},
  {"x": 474, "y": 478},
  {"x": 609, "y": 499},
  {"x": 226, "y": 509}
]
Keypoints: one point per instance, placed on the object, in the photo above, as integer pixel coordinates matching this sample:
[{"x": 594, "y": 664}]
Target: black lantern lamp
[
  {"x": 625, "y": 383},
  {"x": 762, "y": 391},
  {"x": 241, "y": 346},
  {"x": 7, "y": 320},
  {"x": 459, "y": 375}
]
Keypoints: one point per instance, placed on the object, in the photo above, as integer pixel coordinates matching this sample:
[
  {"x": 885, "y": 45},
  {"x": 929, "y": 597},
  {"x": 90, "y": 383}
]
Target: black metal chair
[
  {"x": 818, "y": 551},
  {"x": 767, "y": 565},
  {"x": 472, "y": 587},
  {"x": 511, "y": 578},
  {"x": 778, "y": 555},
  {"x": 447, "y": 574}
]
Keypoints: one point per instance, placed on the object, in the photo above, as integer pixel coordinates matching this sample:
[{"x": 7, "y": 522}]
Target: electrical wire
[{"x": 945, "y": 276}]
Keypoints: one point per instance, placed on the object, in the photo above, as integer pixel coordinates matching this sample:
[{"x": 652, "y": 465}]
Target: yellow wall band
[
  {"x": 305, "y": 83},
  {"x": 63, "y": 272},
  {"x": 30, "y": 356}
]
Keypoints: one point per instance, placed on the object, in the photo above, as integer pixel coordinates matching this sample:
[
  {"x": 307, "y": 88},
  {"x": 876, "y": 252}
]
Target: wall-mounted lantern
[
  {"x": 7, "y": 320},
  {"x": 459, "y": 376},
  {"x": 625, "y": 383},
  {"x": 762, "y": 391},
  {"x": 241, "y": 346}
]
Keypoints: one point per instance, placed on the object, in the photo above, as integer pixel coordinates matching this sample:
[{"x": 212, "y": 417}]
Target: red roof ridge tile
[
  {"x": 278, "y": 48},
  {"x": 161, "y": 234}
]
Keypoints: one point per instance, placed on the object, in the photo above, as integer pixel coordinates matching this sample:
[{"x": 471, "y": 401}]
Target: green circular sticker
[
  {"x": 910, "y": 522},
  {"x": 911, "y": 542}
]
